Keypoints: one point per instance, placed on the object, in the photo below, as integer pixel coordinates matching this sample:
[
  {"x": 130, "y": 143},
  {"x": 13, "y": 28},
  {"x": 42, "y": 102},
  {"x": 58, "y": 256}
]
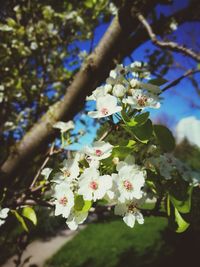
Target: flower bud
[
  {"x": 119, "y": 90},
  {"x": 134, "y": 83},
  {"x": 115, "y": 160}
]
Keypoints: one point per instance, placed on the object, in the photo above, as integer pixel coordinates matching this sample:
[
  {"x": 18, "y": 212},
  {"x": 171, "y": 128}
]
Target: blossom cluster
[
  {"x": 83, "y": 178},
  {"x": 169, "y": 167},
  {"x": 96, "y": 175},
  {"x": 125, "y": 88}
]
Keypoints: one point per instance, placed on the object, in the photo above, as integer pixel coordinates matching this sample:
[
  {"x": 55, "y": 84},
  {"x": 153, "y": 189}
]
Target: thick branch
[
  {"x": 166, "y": 45},
  {"x": 90, "y": 75}
]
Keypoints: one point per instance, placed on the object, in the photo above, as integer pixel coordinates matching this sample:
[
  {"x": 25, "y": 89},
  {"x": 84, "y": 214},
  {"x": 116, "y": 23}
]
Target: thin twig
[
  {"x": 166, "y": 45},
  {"x": 104, "y": 135},
  {"x": 43, "y": 165},
  {"x": 176, "y": 81}
]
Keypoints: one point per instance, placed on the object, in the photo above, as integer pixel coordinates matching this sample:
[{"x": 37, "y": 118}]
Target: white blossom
[
  {"x": 106, "y": 106},
  {"x": 3, "y": 215},
  {"x": 113, "y": 9},
  {"x": 46, "y": 172},
  {"x": 75, "y": 218},
  {"x": 168, "y": 166},
  {"x": 129, "y": 182},
  {"x": 64, "y": 199},
  {"x": 141, "y": 99},
  {"x": 64, "y": 126},
  {"x": 129, "y": 212},
  {"x": 100, "y": 150},
  {"x": 33, "y": 46},
  {"x": 92, "y": 186},
  {"x": 116, "y": 76},
  {"x": 173, "y": 25},
  {"x": 69, "y": 171},
  {"x": 134, "y": 83},
  {"x": 99, "y": 91},
  {"x": 128, "y": 161}
]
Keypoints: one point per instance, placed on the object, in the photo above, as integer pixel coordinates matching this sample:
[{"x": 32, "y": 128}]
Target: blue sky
[{"x": 175, "y": 104}]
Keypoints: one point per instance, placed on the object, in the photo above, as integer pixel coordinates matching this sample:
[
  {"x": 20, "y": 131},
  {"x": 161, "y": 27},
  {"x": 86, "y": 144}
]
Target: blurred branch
[
  {"x": 176, "y": 81},
  {"x": 166, "y": 45}
]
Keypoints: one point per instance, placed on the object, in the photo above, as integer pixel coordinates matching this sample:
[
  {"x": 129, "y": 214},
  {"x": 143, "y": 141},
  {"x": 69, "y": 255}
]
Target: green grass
[{"x": 113, "y": 244}]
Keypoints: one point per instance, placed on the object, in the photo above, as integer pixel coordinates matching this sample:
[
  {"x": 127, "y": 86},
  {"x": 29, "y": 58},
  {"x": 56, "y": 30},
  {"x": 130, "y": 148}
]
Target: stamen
[
  {"x": 63, "y": 201},
  {"x": 66, "y": 173},
  {"x": 128, "y": 185},
  {"x": 104, "y": 111},
  {"x": 94, "y": 185},
  {"x": 98, "y": 152}
]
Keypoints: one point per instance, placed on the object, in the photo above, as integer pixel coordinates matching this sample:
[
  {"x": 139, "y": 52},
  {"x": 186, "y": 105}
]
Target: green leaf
[
  {"x": 30, "y": 214},
  {"x": 20, "y": 219},
  {"x": 168, "y": 205},
  {"x": 125, "y": 117},
  {"x": 165, "y": 138},
  {"x": 121, "y": 151},
  {"x": 182, "y": 224},
  {"x": 131, "y": 143},
  {"x": 81, "y": 204},
  {"x": 183, "y": 205},
  {"x": 89, "y": 3},
  {"x": 11, "y": 22},
  {"x": 138, "y": 120},
  {"x": 158, "y": 81},
  {"x": 144, "y": 132}
]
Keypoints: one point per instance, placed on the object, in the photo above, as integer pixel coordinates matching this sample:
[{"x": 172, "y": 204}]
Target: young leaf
[
  {"x": 158, "y": 81},
  {"x": 121, "y": 151},
  {"x": 165, "y": 138},
  {"x": 182, "y": 224},
  {"x": 20, "y": 219},
  {"x": 138, "y": 120},
  {"x": 183, "y": 205},
  {"x": 30, "y": 214},
  {"x": 81, "y": 204}
]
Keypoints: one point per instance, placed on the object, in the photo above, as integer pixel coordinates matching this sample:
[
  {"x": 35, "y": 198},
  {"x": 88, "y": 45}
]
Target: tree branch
[
  {"x": 93, "y": 72},
  {"x": 189, "y": 14},
  {"x": 176, "y": 81},
  {"x": 166, "y": 45}
]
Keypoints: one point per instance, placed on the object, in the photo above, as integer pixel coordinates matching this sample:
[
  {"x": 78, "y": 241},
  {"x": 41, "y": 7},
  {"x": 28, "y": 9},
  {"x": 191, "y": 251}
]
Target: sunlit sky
[{"x": 177, "y": 102}]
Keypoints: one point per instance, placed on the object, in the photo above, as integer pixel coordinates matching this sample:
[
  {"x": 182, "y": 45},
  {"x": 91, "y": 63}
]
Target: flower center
[
  {"x": 104, "y": 111},
  {"x": 63, "y": 201},
  {"x": 132, "y": 208},
  {"x": 128, "y": 185},
  {"x": 98, "y": 152},
  {"x": 66, "y": 173},
  {"x": 94, "y": 185},
  {"x": 142, "y": 101}
]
